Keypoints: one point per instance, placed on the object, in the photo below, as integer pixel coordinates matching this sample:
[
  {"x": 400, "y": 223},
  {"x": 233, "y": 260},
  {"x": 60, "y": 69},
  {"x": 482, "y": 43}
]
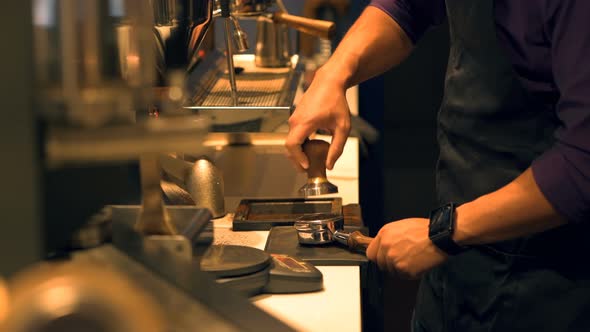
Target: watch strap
[
  {"x": 446, "y": 244},
  {"x": 442, "y": 227}
]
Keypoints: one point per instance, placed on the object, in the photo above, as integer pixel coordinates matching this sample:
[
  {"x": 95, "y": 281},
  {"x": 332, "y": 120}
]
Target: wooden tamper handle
[
  {"x": 358, "y": 242},
  {"x": 317, "y": 153},
  {"x": 317, "y": 181},
  {"x": 318, "y": 28}
]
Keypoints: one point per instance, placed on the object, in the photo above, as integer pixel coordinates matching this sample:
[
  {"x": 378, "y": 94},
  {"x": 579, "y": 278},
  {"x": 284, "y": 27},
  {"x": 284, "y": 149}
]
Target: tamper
[{"x": 317, "y": 181}]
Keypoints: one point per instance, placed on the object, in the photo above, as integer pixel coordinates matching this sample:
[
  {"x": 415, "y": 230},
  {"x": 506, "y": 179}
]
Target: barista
[{"x": 514, "y": 139}]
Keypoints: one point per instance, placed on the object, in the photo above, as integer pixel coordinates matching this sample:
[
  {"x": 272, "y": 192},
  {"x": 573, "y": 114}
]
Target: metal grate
[
  {"x": 254, "y": 89},
  {"x": 265, "y": 95}
]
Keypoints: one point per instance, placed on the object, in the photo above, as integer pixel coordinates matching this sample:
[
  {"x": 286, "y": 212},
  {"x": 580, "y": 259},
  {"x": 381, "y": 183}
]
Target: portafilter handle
[
  {"x": 314, "y": 27},
  {"x": 355, "y": 241}
]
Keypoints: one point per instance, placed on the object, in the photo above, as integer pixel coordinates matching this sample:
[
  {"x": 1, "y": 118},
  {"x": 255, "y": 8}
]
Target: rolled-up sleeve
[
  {"x": 413, "y": 16},
  {"x": 563, "y": 172}
]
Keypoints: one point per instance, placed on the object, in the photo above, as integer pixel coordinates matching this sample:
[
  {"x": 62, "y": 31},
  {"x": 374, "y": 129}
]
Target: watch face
[
  {"x": 441, "y": 230},
  {"x": 440, "y": 221}
]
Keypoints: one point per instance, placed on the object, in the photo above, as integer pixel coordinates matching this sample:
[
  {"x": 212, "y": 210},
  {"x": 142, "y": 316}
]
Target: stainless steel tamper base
[{"x": 318, "y": 186}]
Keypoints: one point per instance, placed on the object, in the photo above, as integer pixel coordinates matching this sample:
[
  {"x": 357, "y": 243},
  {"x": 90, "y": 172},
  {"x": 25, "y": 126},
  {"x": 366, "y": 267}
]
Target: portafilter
[{"x": 325, "y": 228}]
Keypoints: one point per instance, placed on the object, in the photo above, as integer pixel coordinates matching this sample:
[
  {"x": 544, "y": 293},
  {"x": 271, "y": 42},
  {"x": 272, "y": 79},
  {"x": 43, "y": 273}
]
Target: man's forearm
[
  {"x": 374, "y": 44},
  {"x": 516, "y": 210}
]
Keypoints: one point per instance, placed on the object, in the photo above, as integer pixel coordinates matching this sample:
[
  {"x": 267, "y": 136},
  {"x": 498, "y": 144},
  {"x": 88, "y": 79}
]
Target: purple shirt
[{"x": 548, "y": 44}]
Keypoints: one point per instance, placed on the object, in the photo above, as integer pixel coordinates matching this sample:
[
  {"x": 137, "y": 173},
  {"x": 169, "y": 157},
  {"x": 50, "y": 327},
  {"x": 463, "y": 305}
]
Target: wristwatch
[{"x": 441, "y": 228}]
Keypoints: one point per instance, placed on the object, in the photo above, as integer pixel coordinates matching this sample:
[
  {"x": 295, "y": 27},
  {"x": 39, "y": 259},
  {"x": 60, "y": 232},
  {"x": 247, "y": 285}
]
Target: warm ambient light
[
  {"x": 4, "y": 300},
  {"x": 59, "y": 300}
]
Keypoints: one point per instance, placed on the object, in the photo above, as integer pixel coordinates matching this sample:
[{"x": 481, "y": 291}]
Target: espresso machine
[
  {"x": 86, "y": 109},
  {"x": 247, "y": 97}
]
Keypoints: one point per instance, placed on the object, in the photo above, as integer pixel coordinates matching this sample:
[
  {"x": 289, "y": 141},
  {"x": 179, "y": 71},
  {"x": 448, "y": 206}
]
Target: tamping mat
[
  {"x": 232, "y": 261},
  {"x": 283, "y": 240}
]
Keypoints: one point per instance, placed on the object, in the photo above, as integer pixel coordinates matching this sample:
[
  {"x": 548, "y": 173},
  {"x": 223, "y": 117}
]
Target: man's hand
[
  {"x": 323, "y": 106},
  {"x": 359, "y": 56},
  {"x": 403, "y": 247}
]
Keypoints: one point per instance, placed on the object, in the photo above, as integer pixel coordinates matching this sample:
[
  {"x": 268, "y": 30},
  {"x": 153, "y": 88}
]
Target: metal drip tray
[
  {"x": 265, "y": 95},
  {"x": 254, "y": 89}
]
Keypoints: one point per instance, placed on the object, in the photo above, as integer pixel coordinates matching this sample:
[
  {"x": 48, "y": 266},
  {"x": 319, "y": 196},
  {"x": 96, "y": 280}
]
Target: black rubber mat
[{"x": 283, "y": 240}]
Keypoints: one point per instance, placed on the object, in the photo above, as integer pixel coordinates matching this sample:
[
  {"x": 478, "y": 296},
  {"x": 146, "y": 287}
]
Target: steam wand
[{"x": 225, "y": 13}]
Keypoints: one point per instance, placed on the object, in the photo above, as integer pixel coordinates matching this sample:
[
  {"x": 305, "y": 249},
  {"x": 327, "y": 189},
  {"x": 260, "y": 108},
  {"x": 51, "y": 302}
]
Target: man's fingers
[
  {"x": 382, "y": 259},
  {"x": 337, "y": 146},
  {"x": 376, "y": 254},
  {"x": 297, "y": 166},
  {"x": 295, "y": 138},
  {"x": 372, "y": 249}
]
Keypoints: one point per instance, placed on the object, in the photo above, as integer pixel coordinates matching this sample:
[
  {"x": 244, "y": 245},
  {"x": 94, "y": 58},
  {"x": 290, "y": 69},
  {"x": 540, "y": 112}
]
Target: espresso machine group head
[{"x": 181, "y": 27}]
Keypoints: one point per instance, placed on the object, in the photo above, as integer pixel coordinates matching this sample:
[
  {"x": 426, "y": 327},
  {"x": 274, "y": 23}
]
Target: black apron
[{"x": 490, "y": 130}]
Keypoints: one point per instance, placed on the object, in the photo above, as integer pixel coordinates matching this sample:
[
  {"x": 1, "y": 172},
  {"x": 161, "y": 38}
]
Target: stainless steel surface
[
  {"x": 315, "y": 237},
  {"x": 104, "y": 289},
  {"x": 194, "y": 226},
  {"x": 230, "y": 62},
  {"x": 190, "y": 297},
  {"x": 179, "y": 29},
  {"x": 205, "y": 184},
  {"x": 341, "y": 237},
  {"x": 175, "y": 195},
  {"x": 93, "y": 61},
  {"x": 272, "y": 43},
  {"x": 318, "y": 186},
  {"x": 79, "y": 297},
  {"x": 94, "y": 65},
  {"x": 165, "y": 11},
  {"x": 257, "y": 87},
  {"x": 65, "y": 145},
  {"x": 175, "y": 168},
  {"x": 253, "y": 165},
  {"x": 265, "y": 95},
  {"x": 272, "y": 40},
  {"x": 309, "y": 233},
  {"x": 318, "y": 228},
  {"x": 239, "y": 36},
  {"x": 95, "y": 232},
  {"x": 182, "y": 310},
  {"x": 200, "y": 178},
  {"x": 177, "y": 246},
  {"x": 153, "y": 219},
  {"x": 322, "y": 228},
  {"x": 86, "y": 88}
]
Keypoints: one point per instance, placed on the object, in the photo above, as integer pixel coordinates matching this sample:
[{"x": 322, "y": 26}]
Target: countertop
[{"x": 336, "y": 308}]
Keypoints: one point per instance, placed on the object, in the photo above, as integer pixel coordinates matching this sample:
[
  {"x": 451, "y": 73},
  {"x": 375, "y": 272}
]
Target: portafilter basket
[
  {"x": 324, "y": 228},
  {"x": 318, "y": 228}
]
